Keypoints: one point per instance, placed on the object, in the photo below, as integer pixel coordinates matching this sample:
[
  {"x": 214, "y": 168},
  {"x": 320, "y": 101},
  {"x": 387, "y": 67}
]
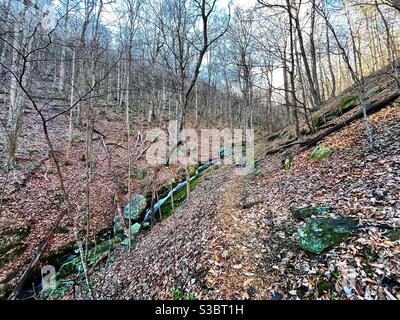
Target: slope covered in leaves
[
  {"x": 220, "y": 248},
  {"x": 31, "y": 192}
]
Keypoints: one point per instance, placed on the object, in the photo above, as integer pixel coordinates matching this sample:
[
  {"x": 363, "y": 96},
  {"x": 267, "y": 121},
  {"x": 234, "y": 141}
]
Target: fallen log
[
  {"x": 372, "y": 108},
  {"x": 331, "y": 128},
  {"x": 145, "y": 149},
  {"x": 272, "y": 136},
  {"x": 285, "y": 146},
  {"x": 99, "y": 133},
  {"x": 116, "y": 145},
  {"x": 329, "y": 125}
]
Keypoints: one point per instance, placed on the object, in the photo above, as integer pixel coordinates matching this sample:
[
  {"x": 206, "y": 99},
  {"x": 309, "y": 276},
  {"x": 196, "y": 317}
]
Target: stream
[
  {"x": 66, "y": 260},
  {"x": 178, "y": 187}
]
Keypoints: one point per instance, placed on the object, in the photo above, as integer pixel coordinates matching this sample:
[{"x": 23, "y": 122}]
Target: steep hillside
[
  {"x": 239, "y": 236},
  {"x": 237, "y": 239}
]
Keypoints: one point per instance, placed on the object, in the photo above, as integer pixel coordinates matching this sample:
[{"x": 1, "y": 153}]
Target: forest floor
[
  {"x": 31, "y": 192},
  {"x": 215, "y": 249}
]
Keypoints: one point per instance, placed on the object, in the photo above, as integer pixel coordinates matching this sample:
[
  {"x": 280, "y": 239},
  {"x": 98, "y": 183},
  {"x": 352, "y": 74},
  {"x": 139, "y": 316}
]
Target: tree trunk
[
  {"x": 71, "y": 127},
  {"x": 315, "y": 95},
  {"x": 63, "y": 48},
  {"x": 314, "y": 54},
  {"x": 292, "y": 70}
]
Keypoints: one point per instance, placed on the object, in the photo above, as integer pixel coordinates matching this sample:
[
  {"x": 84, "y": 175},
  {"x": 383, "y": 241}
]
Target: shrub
[{"x": 321, "y": 152}]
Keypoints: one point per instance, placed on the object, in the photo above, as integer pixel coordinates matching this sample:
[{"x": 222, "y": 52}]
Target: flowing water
[{"x": 69, "y": 255}]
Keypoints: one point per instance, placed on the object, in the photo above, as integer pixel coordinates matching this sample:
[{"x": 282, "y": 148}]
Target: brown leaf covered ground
[
  {"x": 212, "y": 247},
  {"x": 32, "y": 194},
  {"x": 216, "y": 250}
]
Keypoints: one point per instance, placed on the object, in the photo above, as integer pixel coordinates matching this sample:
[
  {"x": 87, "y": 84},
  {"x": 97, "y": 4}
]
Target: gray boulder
[{"x": 135, "y": 207}]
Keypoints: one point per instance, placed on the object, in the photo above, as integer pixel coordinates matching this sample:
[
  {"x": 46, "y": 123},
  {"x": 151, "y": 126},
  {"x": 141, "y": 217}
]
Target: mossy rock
[
  {"x": 125, "y": 242},
  {"x": 117, "y": 226},
  {"x": 93, "y": 255},
  {"x": 323, "y": 119},
  {"x": 135, "y": 207},
  {"x": 321, "y": 152},
  {"x": 12, "y": 244},
  {"x": 322, "y": 233},
  {"x": 100, "y": 249},
  {"x": 347, "y": 104},
  {"x": 69, "y": 268},
  {"x": 307, "y": 212},
  {"x": 57, "y": 256},
  {"x": 61, "y": 289},
  {"x": 135, "y": 228}
]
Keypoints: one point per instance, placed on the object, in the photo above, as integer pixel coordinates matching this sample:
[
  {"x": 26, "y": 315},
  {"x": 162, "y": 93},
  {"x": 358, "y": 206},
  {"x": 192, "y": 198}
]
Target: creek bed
[{"x": 66, "y": 260}]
